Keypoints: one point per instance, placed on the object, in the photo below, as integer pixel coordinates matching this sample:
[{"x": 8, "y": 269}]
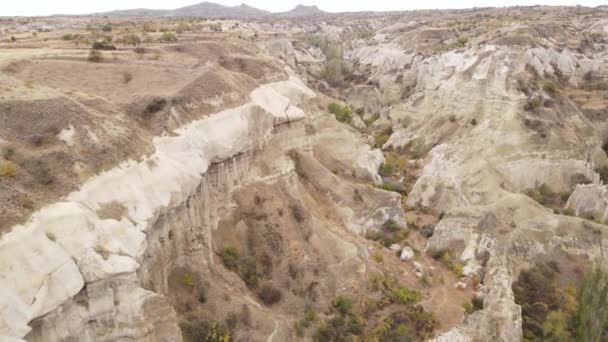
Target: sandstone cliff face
[{"x": 88, "y": 277}]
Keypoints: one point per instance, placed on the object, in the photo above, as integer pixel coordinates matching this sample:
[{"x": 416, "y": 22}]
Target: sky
[{"x": 48, "y": 7}]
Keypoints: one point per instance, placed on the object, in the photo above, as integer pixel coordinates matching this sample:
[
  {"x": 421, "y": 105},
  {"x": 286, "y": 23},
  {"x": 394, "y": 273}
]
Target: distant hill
[
  {"x": 213, "y": 10},
  {"x": 302, "y": 11}
]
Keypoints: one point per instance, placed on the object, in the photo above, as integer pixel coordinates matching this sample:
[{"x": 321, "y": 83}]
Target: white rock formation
[{"x": 407, "y": 254}]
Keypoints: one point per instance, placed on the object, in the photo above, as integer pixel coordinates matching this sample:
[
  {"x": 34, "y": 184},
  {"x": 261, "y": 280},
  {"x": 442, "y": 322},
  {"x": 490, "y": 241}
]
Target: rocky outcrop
[{"x": 590, "y": 201}]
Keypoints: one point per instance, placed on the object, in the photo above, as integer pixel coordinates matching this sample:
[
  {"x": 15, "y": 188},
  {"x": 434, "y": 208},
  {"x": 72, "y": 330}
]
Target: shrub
[
  {"x": 428, "y": 230},
  {"x": 378, "y": 257},
  {"x": 343, "y": 305},
  {"x": 103, "y": 45},
  {"x": 419, "y": 150},
  {"x": 68, "y": 36},
  {"x": 549, "y": 87},
  {"x": 107, "y": 27},
  {"x": 182, "y": 27},
  {"x": 342, "y": 113},
  {"x": 269, "y": 294},
  {"x": 404, "y": 295},
  {"x": 381, "y": 139},
  {"x": 95, "y": 56},
  {"x": 155, "y": 105},
  {"x": 230, "y": 258},
  {"x": 474, "y": 122},
  {"x": 188, "y": 279},
  {"x": 532, "y": 104},
  {"x": 7, "y": 168},
  {"x": 386, "y": 169},
  {"x": 168, "y": 37},
  {"x": 248, "y": 270},
  {"x": 131, "y": 39},
  {"x": 462, "y": 41}
]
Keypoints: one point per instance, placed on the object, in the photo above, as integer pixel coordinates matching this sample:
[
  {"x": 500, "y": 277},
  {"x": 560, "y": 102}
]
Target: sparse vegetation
[
  {"x": 544, "y": 195},
  {"x": 446, "y": 260},
  {"x": 200, "y": 330},
  {"x": 390, "y": 233},
  {"x": 230, "y": 258},
  {"x": 549, "y": 87}
]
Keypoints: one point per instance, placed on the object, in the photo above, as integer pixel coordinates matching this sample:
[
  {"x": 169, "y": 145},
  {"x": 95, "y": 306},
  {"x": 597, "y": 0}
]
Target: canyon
[{"x": 381, "y": 176}]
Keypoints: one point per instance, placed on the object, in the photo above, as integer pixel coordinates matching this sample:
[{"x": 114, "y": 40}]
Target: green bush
[
  {"x": 342, "y": 113},
  {"x": 386, "y": 169},
  {"x": 343, "y": 305},
  {"x": 404, "y": 295}
]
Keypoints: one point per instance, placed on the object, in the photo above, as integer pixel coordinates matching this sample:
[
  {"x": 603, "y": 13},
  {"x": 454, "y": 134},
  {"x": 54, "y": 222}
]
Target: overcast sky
[{"x": 46, "y": 7}]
